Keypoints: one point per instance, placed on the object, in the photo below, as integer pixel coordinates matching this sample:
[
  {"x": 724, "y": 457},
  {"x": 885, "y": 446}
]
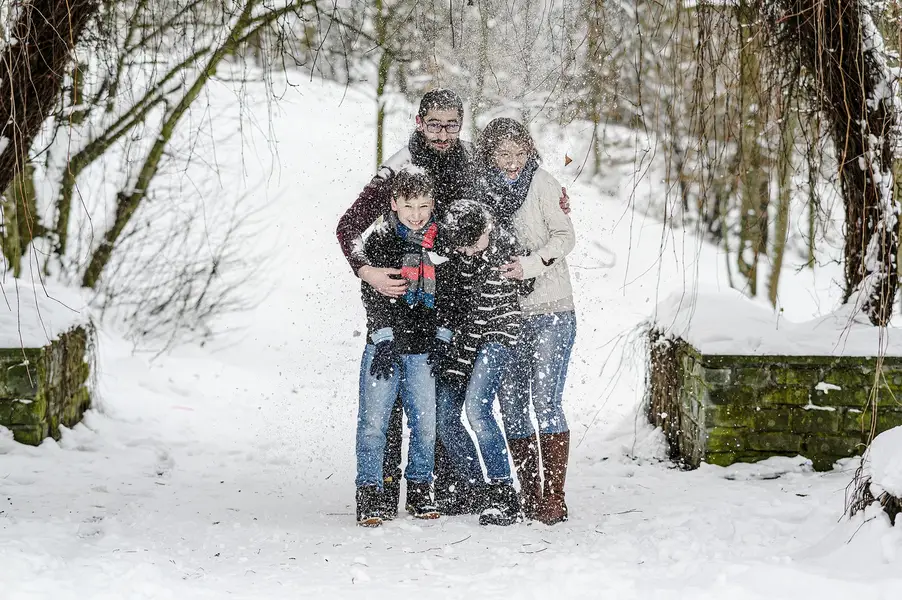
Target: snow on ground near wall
[
  {"x": 229, "y": 472},
  {"x": 884, "y": 463},
  {"x": 32, "y": 313},
  {"x": 728, "y": 322}
]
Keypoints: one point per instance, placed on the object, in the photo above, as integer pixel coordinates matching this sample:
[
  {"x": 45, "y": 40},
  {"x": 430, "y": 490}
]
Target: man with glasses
[{"x": 435, "y": 147}]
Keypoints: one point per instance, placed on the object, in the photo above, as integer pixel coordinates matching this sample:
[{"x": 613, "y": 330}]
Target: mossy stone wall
[
  {"x": 43, "y": 388},
  {"x": 725, "y": 409}
]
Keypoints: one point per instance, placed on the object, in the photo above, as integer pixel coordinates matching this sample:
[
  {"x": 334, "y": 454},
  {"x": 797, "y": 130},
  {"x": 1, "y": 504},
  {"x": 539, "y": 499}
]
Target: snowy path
[{"x": 229, "y": 473}]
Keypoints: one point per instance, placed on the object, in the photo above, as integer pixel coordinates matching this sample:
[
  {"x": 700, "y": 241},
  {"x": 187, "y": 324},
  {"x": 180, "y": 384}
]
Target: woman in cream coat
[{"x": 525, "y": 197}]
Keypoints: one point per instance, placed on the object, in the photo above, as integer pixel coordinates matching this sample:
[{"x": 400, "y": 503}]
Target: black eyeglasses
[{"x": 435, "y": 127}]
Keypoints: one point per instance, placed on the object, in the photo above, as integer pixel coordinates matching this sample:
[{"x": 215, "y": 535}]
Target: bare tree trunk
[
  {"x": 813, "y": 155},
  {"x": 891, "y": 28},
  {"x": 841, "y": 45},
  {"x": 595, "y": 54},
  {"x": 753, "y": 173},
  {"x": 381, "y": 79},
  {"x": 19, "y": 219},
  {"x": 31, "y": 73},
  {"x": 784, "y": 198}
]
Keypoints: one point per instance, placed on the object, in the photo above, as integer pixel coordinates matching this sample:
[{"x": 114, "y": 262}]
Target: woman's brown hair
[{"x": 503, "y": 130}]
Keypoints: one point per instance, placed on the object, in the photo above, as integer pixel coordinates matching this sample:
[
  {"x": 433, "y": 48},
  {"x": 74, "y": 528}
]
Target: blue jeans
[
  {"x": 539, "y": 365},
  {"x": 450, "y": 394},
  {"x": 488, "y": 368},
  {"x": 417, "y": 386}
]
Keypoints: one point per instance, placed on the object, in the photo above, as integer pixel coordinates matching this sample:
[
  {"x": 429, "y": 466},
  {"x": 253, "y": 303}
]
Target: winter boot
[
  {"x": 391, "y": 495},
  {"x": 525, "y": 452},
  {"x": 504, "y": 505},
  {"x": 369, "y": 506},
  {"x": 464, "y": 498},
  {"x": 419, "y": 501},
  {"x": 477, "y": 497},
  {"x": 555, "y": 454}
]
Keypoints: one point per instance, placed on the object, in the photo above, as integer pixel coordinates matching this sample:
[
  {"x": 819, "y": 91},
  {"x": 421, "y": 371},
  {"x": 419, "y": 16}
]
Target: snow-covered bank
[
  {"x": 728, "y": 322},
  {"x": 35, "y": 312}
]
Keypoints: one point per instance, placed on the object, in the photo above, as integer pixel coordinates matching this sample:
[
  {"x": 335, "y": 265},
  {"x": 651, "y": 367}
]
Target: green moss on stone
[
  {"x": 792, "y": 375},
  {"x": 53, "y": 380},
  {"x": 30, "y": 412},
  {"x": 724, "y": 361},
  {"x": 834, "y": 445},
  {"x": 850, "y": 376},
  {"x": 722, "y": 459},
  {"x": 32, "y": 436},
  {"x": 748, "y": 417},
  {"x": 723, "y": 439},
  {"x": 773, "y": 442},
  {"x": 75, "y": 407},
  {"x": 19, "y": 381},
  {"x": 816, "y": 421},
  {"x": 860, "y": 422},
  {"x": 732, "y": 396},
  {"x": 772, "y": 396},
  {"x": 12, "y": 356},
  {"x": 745, "y": 408},
  {"x": 785, "y": 396},
  {"x": 751, "y": 377},
  {"x": 717, "y": 377}
]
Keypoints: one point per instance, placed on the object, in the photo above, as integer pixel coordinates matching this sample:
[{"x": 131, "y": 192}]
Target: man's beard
[
  {"x": 439, "y": 150},
  {"x": 439, "y": 153}
]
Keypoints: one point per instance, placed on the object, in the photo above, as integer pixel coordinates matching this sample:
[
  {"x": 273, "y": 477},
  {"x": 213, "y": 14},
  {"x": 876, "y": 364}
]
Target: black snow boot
[
  {"x": 369, "y": 506},
  {"x": 504, "y": 505},
  {"x": 419, "y": 500},
  {"x": 465, "y": 498},
  {"x": 391, "y": 495}
]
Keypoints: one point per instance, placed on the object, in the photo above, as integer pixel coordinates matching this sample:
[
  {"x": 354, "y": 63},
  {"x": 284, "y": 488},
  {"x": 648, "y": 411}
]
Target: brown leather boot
[
  {"x": 525, "y": 452},
  {"x": 555, "y": 455}
]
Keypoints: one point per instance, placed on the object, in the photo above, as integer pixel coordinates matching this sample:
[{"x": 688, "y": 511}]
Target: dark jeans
[{"x": 443, "y": 475}]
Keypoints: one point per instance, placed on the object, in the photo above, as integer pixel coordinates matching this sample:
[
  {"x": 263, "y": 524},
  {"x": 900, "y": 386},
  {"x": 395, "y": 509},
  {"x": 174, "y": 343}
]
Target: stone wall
[
  {"x": 43, "y": 388},
  {"x": 726, "y": 409}
]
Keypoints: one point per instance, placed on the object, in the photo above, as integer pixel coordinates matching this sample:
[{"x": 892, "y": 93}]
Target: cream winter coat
[{"x": 547, "y": 232}]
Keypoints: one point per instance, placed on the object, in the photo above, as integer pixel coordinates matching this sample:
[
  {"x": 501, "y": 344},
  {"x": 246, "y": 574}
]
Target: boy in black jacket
[
  {"x": 401, "y": 333},
  {"x": 486, "y": 324}
]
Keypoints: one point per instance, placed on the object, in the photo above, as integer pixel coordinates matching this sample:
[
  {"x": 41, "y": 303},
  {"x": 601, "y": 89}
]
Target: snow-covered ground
[{"x": 227, "y": 471}]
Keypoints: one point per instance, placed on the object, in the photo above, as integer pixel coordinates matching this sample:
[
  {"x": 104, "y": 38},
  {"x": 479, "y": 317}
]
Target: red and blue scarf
[{"x": 416, "y": 267}]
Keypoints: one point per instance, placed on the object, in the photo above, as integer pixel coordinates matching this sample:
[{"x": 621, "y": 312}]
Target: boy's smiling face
[{"x": 414, "y": 211}]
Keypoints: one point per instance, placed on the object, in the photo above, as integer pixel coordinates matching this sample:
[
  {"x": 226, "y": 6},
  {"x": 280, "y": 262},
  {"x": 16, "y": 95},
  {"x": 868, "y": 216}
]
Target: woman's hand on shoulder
[{"x": 564, "y": 201}]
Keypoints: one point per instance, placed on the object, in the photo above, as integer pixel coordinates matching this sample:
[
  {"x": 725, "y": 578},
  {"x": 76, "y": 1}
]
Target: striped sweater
[{"x": 485, "y": 306}]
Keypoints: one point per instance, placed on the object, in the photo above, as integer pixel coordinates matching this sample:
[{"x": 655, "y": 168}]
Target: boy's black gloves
[
  {"x": 385, "y": 359},
  {"x": 439, "y": 356},
  {"x": 440, "y": 352}
]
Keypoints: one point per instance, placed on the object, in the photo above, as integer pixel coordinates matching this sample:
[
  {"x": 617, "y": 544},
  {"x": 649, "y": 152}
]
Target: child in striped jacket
[{"x": 486, "y": 324}]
